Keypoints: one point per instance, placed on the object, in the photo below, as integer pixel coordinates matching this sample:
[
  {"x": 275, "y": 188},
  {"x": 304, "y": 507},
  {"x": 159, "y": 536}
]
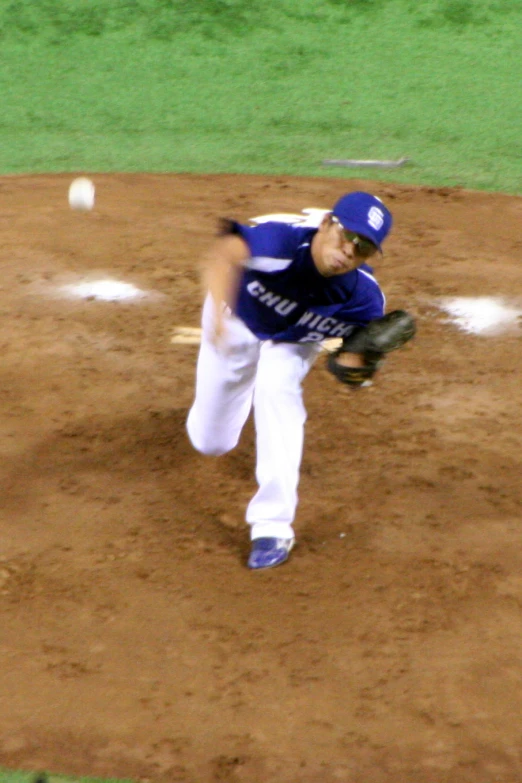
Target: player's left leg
[{"x": 280, "y": 417}]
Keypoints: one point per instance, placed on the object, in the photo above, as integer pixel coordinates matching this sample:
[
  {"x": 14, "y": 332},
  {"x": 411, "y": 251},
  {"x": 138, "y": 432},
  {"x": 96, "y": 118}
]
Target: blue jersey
[{"x": 282, "y": 296}]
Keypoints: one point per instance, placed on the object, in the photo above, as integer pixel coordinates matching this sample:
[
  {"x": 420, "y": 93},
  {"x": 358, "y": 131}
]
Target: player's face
[{"x": 336, "y": 251}]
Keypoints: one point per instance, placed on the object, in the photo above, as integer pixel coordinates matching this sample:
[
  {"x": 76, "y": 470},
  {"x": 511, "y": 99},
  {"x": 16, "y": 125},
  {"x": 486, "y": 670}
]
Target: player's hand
[
  {"x": 218, "y": 336},
  {"x": 347, "y": 359},
  {"x": 363, "y": 351}
]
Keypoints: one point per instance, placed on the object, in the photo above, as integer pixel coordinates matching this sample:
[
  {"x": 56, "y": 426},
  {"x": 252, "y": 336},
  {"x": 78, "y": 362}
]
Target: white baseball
[{"x": 81, "y": 194}]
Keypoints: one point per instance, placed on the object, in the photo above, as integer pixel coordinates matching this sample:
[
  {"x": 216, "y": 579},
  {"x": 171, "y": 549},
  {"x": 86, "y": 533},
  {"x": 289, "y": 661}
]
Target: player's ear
[{"x": 326, "y": 221}]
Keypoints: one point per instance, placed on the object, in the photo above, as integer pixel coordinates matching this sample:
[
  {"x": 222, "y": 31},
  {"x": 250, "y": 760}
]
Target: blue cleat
[{"x": 269, "y": 552}]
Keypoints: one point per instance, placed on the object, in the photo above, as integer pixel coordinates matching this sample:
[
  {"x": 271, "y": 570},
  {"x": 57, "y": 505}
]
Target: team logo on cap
[{"x": 375, "y": 218}]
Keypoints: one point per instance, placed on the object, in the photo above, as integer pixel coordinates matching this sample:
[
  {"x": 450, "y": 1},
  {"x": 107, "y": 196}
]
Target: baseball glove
[{"x": 373, "y": 341}]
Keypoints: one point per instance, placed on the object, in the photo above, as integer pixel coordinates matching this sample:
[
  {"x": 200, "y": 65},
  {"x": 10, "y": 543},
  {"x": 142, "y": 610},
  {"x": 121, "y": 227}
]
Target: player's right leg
[{"x": 225, "y": 379}]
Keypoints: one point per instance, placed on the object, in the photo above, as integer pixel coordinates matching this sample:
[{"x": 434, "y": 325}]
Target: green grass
[{"x": 223, "y": 86}]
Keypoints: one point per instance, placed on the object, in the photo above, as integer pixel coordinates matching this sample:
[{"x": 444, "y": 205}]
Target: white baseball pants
[{"x": 247, "y": 371}]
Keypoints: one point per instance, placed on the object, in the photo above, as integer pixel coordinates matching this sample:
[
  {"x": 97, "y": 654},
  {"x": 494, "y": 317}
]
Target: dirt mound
[{"x": 134, "y": 641}]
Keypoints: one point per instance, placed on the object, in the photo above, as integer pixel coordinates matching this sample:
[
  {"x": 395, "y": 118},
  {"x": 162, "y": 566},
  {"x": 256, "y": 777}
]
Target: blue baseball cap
[{"x": 364, "y": 214}]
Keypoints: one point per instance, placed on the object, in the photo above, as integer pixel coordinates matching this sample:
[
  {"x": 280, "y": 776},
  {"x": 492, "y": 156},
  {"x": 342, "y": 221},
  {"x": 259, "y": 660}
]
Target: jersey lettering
[
  {"x": 255, "y": 288},
  {"x": 269, "y": 298},
  {"x": 305, "y": 318},
  {"x": 285, "y": 307},
  {"x": 318, "y": 325},
  {"x": 326, "y": 324},
  {"x": 312, "y": 337},
  {"x": 313, "y": 323}
]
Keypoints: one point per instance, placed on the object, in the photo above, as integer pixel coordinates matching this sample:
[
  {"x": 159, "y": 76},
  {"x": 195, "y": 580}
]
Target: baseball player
[{"x": 275, "y": 291}]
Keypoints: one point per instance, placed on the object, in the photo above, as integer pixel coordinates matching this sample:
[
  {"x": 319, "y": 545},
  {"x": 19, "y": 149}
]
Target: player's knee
[
  {"x": 211, "y": 449},
  {"x": 208, "y": 444}
]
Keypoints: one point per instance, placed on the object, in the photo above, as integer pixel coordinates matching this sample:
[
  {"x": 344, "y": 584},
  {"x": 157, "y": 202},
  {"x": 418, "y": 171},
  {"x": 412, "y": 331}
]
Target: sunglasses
[{"x": 363, "y": 247}]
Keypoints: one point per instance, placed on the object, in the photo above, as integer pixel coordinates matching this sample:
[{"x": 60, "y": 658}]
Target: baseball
[{"x": 81, "y": 194}]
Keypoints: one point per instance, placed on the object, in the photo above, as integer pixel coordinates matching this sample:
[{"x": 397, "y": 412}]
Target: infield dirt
[{"x": 134, "y": 642}]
